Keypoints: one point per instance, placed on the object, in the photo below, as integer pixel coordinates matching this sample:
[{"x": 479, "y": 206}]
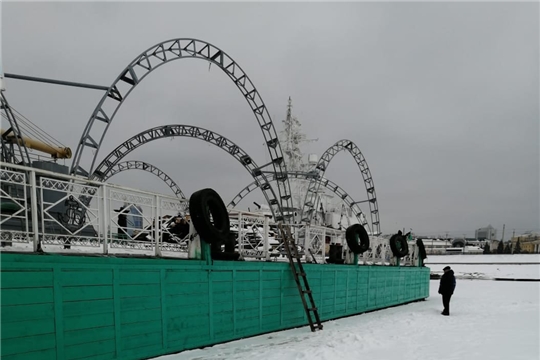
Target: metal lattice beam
[
  {"x": 104, "y": 169},
  {"x": 141, "y": 165},
  {"x": 161, "y": 54},
  {"x": 332, "y": 186},
  {"x": 8, "y": 153},
  {"x": 311, "y": 201}
]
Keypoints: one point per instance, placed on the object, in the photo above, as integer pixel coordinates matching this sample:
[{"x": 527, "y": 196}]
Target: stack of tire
[
  {"x": 210, "y": 218},
  {"x": 399, "y": 245},
  {"x": 400, "y": 248},
  {"x": 358, "y": 241},
  {"x": 357, "y": 238}
]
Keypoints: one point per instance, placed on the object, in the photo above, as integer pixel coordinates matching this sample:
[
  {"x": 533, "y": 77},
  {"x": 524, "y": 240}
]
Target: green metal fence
[{"x": 73, "y": 307}]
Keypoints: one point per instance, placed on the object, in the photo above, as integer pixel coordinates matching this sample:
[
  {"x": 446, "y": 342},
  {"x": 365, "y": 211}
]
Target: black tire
[
  {"x": 357, "y": 238},
  {"x": 399, "y": 246},
  {"x": 421, "y": 249},
  {"x": 204, "y": 203}
]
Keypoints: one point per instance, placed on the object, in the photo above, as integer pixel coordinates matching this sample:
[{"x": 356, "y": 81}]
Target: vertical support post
[
  {"x": 157, "y": 226},
  {"x": 34, "y": 210},
  {"x": 41, "y": 206},
  {"x": 324, "y": 245},
  {"x": 26, "y": 188},
  {"x": 240, "y": 233},
  {"x": 266, "y": 243},
  {"x": 105, "y": 218},
  {"x": 307, "y": 242},
  {"x": 206, "y": 253}
]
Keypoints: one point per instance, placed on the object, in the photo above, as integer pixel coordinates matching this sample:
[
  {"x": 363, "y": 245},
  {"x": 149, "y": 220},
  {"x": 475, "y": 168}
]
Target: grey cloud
[{"x": 441, "y": 98}]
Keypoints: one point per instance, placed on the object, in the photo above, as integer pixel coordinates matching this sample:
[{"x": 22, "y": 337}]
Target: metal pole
[
  {"x": 34, "y": 210},
  {"x": 266, "y": 244},
  {"x": 157, "y": 226},
  {"x": 106, "y": 219},
  {"x": 57, "y": 82}
]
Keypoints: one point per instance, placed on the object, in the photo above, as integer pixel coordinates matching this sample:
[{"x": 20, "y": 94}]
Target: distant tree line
[{"x": 504, "y": 249}]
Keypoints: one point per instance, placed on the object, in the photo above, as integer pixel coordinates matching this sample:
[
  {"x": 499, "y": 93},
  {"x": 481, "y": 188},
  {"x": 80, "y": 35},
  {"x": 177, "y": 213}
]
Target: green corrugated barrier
[{"x": 72, "y": 307}]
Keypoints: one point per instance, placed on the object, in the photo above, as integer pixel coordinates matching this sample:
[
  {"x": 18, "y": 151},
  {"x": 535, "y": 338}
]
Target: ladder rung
[{"x": 298, "y": 271}]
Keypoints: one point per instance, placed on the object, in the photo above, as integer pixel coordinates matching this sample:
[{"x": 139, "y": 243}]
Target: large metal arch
[
  {"x": 159, "y": 55},
  {"x": 141, "y": 165},
  {"x": 114, "y": 157},
  {"x": 329, "y": 184},
  {"x": 311, "y": 199}
]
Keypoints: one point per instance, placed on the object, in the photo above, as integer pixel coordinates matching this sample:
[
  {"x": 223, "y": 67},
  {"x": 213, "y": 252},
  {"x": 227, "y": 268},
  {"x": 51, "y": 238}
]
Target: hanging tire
[
  {"x": 209, "y": 216},
  {"x": 399, "y": 246},
  {"x": 357, "y": 238},
  {"x": 421, "y": 249}
]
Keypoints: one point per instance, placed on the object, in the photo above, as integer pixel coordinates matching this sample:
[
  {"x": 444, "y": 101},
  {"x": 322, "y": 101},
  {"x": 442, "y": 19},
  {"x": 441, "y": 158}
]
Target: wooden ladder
[{"x": 298, "y": 271}]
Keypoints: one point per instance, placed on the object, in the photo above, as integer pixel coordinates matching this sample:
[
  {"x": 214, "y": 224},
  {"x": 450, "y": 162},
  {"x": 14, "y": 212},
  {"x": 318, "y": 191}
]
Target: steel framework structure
[
  {"x": 311, "y": 201},
  {"x": 332, "y": 186},
  {"x": 159, "y": 55},
  {"x": 8, "y": 149},
  {"x": 111, "y": 161},
  {"x": 141, "y": 165}
]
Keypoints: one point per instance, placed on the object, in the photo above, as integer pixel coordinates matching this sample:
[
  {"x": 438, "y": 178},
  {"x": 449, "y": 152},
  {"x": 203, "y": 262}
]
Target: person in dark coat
[{"x": 446, "y": 288}]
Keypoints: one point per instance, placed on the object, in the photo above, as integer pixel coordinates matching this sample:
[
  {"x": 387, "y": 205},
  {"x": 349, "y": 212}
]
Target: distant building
[
  {"x": 528, "y": 242},
  {"x": 486, "y": 233}
]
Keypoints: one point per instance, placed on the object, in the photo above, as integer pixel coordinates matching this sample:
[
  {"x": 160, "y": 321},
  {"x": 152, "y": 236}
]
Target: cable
[
  {"x": 58, "y": 143},
  {"x": 38, "y": 133}
]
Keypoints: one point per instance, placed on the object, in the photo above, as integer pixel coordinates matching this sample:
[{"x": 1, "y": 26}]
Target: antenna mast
[{"x": 292, "y": 137}]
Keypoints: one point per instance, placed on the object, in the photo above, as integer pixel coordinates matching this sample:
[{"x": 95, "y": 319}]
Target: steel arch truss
[
  {"x": 310, "y": 204},
  {"x": 332, "y": 186},
  {"x": 141, "y": 165},
  {"x": 161, "y": 54},
  {"x": 111, "y": 161}
]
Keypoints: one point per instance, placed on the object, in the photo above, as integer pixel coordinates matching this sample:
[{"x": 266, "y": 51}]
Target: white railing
[
  {"x": 318, "y": 239},
  {"x": 78, "y": 215},
  {"x": 380, "y": 253},
  {"x": 253, "y": 236},
  {"x": 51, "y": 212}
]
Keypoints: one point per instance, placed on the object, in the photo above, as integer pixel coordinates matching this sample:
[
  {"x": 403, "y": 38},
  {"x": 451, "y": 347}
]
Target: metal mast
[{"x": 291, "y": 137}]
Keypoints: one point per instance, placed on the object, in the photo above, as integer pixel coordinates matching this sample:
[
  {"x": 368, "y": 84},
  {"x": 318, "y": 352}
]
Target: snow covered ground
[
  {"x": 453, "y": 259},
  {"x": 488, "y": 266},
  {"x": 489, "y": 320}
]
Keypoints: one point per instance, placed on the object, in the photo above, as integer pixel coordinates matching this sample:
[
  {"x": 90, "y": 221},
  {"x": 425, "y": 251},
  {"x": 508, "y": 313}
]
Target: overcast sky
[{"x": 442, "y": 99}]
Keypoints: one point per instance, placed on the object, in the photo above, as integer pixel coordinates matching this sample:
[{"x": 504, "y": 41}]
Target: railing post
[
  {"x": 241, "y": 233},
  {"x": 324, "y": 244},
  {"x": 307, "y": 241},
  {"x": 266, "y": 243},
  {"x": 105, "y": 219},
  {"x": 157, "y": 226},
  {"x": 34, "y": 209}
]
